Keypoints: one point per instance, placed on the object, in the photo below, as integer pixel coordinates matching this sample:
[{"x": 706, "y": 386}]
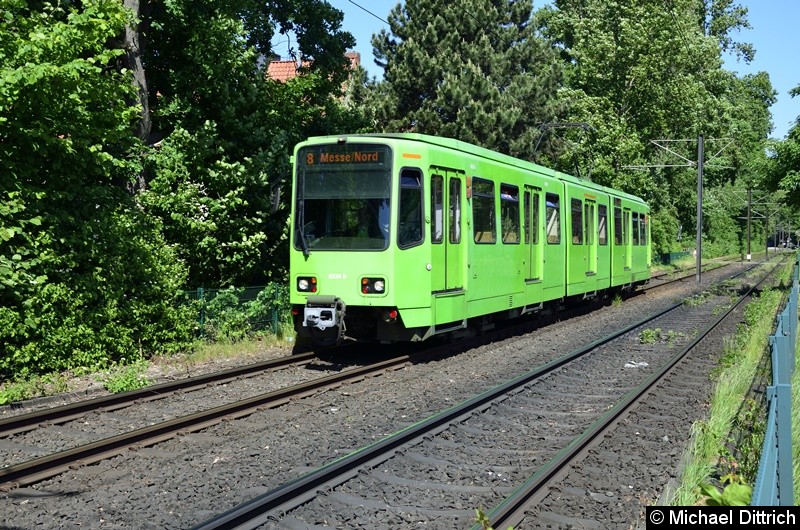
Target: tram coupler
[{"x": 323, "y": 312}]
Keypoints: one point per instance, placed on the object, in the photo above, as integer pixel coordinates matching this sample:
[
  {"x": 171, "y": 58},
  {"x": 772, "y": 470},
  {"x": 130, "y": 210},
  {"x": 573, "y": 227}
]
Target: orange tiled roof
[{"x": 282, "y": 70}]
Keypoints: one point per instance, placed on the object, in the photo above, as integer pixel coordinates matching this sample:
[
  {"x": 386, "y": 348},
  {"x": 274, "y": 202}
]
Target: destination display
[{"x": 338, "y": 155}]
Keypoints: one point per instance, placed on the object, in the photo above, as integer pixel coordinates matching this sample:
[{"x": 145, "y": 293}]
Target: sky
[{"x": 774, "y": 33}]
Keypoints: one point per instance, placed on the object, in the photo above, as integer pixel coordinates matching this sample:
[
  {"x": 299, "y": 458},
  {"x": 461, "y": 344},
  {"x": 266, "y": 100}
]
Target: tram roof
[{"x": 482, "y": 152}]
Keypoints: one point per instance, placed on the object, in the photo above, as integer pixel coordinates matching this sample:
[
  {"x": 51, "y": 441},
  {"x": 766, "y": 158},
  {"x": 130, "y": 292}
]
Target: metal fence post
[
  {"x": 785, "y": 471},
  {"x": 275, "y": 306},
  {"x": 202, "y": 316}
]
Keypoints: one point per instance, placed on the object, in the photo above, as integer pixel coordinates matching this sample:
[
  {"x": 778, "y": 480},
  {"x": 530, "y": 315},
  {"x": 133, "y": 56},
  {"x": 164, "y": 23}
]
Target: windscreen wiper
[{"x": 301, "y": 202}]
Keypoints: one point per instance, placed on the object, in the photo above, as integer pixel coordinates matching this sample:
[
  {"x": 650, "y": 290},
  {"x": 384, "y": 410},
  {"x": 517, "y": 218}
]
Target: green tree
[
  {"x": 218, "y": 163},
  {"x": 85, "y": 278},
  {"x": 783, "y": 170},
  {"x": 642, "y": 71},
  {"x": 473, "y": 70}
]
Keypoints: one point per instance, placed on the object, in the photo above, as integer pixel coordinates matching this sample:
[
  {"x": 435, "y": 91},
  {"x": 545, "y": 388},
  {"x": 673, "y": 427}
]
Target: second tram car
[{"x": 400, "y": 237}]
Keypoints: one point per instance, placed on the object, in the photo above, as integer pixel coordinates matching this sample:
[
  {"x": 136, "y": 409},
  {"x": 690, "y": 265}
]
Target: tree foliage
[
  {"x": 473, "y": 70},
  {"x": 783, "y": 170},
  {"x": 145, "y": 150},
  {"x": 85, "y": 278},
  {"x": 627, "y": 73},
  {"x": 644, "y": 71},
  {"x": 223, "y": 131},
  {"x": 122, "y": 193}
]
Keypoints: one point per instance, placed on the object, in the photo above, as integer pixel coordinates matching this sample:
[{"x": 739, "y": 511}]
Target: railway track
[
  {"x": 470, "y": 454},
  {"x": 18, "y": 422},
  {"x": 221, "y": 416},
  {"x": 680, "y": 372},
  {"x": 24, "y": 422},
  {"x": 669, "y": 277}
]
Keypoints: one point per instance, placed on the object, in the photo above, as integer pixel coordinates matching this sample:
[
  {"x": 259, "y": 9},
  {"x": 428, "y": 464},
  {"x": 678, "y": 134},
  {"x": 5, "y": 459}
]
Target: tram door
[
  {"x": 590, "y": 239},
  {"x": 447, "y": 249},
  {"x": 532, "y": 221},
  {"x": 626, "y": 238},
  {"x": 590, "y": 229}
]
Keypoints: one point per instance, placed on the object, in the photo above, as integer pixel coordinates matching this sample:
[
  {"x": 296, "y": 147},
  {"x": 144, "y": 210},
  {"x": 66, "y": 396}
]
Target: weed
[
  {"x": 45, "y": 385},
  {"x": 751, "y": 428},
  {"x": 17, "y": 391},
  {"x": 696, "y": 300},
  {"x": 673, "y": 336},
  {"x": 125, "y": 378},
  {"x": 650, "y": 336},
  {"x": 734, "y": 493},
  {"x": 720, "y": 308},
  {"x": 482, "y": 519}
]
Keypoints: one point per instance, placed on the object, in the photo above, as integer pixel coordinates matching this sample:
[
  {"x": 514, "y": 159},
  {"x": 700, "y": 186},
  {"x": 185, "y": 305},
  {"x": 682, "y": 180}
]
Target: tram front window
[{"x": 343, "y": 198}]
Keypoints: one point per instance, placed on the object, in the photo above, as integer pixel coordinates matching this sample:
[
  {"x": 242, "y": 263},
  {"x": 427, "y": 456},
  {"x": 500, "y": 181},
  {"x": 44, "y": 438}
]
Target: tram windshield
[{"x": 343, "y": 197}]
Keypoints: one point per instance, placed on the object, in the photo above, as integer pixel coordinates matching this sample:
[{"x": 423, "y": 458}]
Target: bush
[
  {"x": 230, "y": 319},
  {"x": 226, "y": 321},
  {"x": 112, "y": 295}
]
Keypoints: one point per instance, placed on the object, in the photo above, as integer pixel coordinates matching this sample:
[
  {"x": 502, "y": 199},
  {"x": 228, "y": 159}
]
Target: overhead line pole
[
  {"x": 699, "y": 204},
  {"x": 689, "y": 163},
  {"x": 752, "y": 214},
  {"x": 749, "y": 206}
]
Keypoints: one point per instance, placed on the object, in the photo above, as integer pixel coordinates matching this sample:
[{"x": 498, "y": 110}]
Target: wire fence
[
  {"x": 235, "y": 313},
  {"x": 775, "y": 480}
]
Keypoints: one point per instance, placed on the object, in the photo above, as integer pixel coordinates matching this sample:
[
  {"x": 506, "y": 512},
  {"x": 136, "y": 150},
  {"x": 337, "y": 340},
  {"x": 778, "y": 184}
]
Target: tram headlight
[
  {"x": 307, "y": 284},
  {"x": 373, "y": 285}
]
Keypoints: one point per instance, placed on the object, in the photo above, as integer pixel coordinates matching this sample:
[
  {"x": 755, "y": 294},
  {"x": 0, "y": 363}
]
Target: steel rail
[
  {"x": 38, "y": 469},
  {"x": 55, "y": 415},
  {"x": 64, "y": 413},
  {"x": 663, "y": 277}
]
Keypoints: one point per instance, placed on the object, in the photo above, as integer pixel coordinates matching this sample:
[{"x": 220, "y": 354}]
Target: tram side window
[
  {"x": 455, "y": 210},
  {"x": 588, "y": 218},
  {"x": 553, "y": 224},
  {"x": 635, "y": 228},
  {"x": 483, "y": 216},
  {"x": 643, "y": 229},
  {"x": 617, "y": 226},
  {"x": 410, "y": 208},
  {"x": 602, "y": 224},
  {"x": 531, "y": 220},
  {"x": 509, "y": 213},
  {"x": 437, "y": 209},
  {"x": 577, "y": 222}
]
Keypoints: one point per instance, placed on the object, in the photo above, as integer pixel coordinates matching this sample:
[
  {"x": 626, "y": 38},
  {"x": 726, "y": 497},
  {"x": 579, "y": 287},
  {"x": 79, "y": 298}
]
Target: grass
[
  {"x": 205, "y": 352},
  {"x": 13, "y": 391},
  {"x": 707, "y": 456},
  {"x": 123, "y": 377},
  {"x": 132, "y": 374}
]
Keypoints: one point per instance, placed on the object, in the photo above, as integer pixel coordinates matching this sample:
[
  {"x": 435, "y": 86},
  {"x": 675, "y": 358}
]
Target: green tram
[{"x": 400, "y": 237}]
